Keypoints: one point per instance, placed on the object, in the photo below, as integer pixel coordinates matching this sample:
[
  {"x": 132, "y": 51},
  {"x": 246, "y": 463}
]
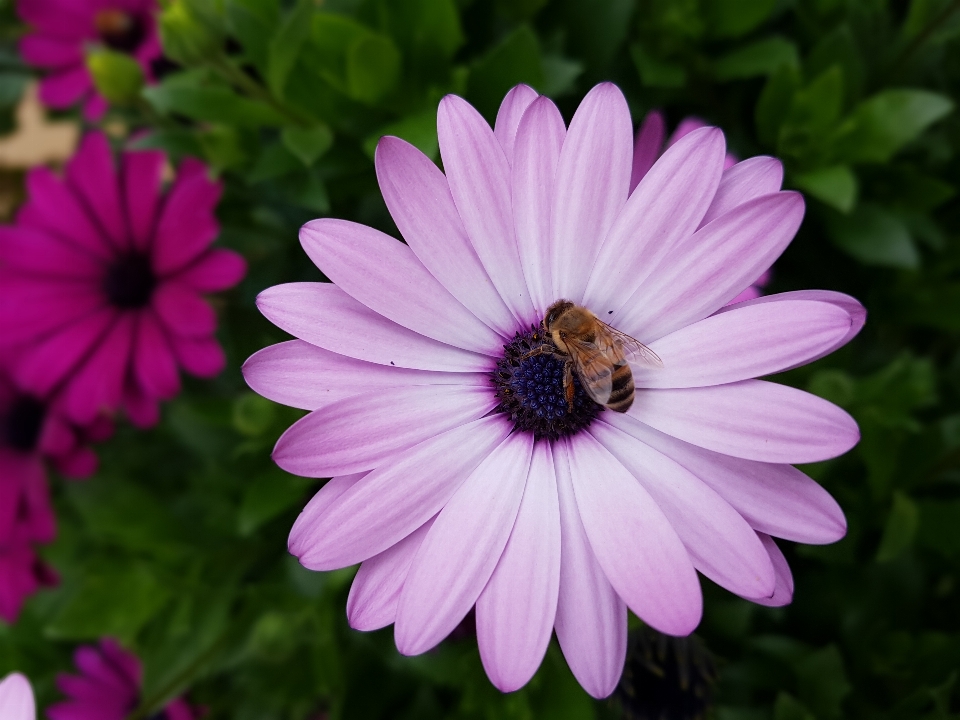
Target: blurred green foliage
[{"x": 177, "y": 546}]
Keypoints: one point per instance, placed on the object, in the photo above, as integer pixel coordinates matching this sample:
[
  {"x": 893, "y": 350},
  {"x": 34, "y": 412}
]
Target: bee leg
[
  {"x": 542, "y": 350},
  {"x": 568, "y": 384}
]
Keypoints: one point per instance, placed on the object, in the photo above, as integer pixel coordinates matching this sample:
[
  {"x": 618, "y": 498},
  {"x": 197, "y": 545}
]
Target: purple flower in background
[
  {"x": 102, "y": 282},
  {"x": 16, "y": 698},
  {"x": 108, "y": 687},
  {"x": 62, "y": 31},
  {"x": 460, "y": 476}
]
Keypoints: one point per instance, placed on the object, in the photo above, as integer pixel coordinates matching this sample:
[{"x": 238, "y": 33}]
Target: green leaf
[
  {"x": 253, "y": 415},
  {"x": 116, "y": 75},
  {"x": 774, "y": 103},
  {"x": 308, "y": 144},
  {"x": 733, "y": 18},
  {"x": 836, "y": 186},
  {"x": 884, "y": 123},
  {"x": 874, "y": 236},
  {"x": 655, "y": 72},
  {"x": 900, "y": 529},
  {"x": 111, "y": 601},
  {"x": 222, "y": 146},
  {"x": 787, "y": 707},
  {"x": 822, "y": 682},
  {"x": 515, "y": 60},
  {"x": 419, "y": 130},
  {"x": 602, "y": 27},
  {"x": 285, "y": 45},
  {"x": 253, "y": 23},
  {"x": 212, "y": 104},
  {"x": 938, "y": 527},
  {"x": 273, "y": 161},
  {"x": 428, "y": 33},
  {"x": 763, "y": 57},
  {"x": 268, "y": 495},
  {"x": 190, "y": 31},
  {"x": 559, "y": 75},
  {"x": 359, "y": 62}
]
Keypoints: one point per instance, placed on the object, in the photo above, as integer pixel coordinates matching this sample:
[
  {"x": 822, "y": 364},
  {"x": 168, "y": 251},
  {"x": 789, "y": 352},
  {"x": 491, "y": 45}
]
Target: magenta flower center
[
  {"x": 530, "y": 391},
  {"x": 130, "y": 281},
  {"x": 22, "y": 423},
  {"x": 120, "y": 30}
]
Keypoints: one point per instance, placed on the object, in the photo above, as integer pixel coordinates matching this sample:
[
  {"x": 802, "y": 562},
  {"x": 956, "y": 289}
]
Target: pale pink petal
[
  {"x": 98, "y": 385},
  {"x": 783, "y": 592},
  {"x": 300, "y": 534},
  {"x": 634, "y": 543},
  {"x": 747, "y": 342},
  {"x": 479, "y": 177},
  {"x": 142, "y": 182},
  {"x": 684, "y": 128},
  {"x": 514, "y": 105},
  {"x": 419, "y": 200},
  {"x": 752, "y": 178},
  {"x": 356, "y": 434},
  {"x": 752, "y": 419},
  {"x": 386, "y": 276},
  {"x": 462, "y": 548},
  {"x": 596, "y": 649},
  {"x": 708, "y": 269},
  {"x": 536, "y": 153},
  {"x": 216, "y": 270},
  {"x": 182, "y": 310},
  {"x": 517, "y": 608},
  {"x": 720, "y": 542},
  {"x": 662, "y": 212},
  {"x": 305, "y": 376},
  {"x": 324, "y": 315},
  {"x": 394, "y": 500},
  {"x": 775, "y": 499},
  {"x": 647, "y": 146},
  {"x": 375, "y": 592},
  {"x": 592, "y": 184},
  {"x": 16, "y": 698},
  {"x": 92, "y": 177},
  {"x": 154, "y": 365}
]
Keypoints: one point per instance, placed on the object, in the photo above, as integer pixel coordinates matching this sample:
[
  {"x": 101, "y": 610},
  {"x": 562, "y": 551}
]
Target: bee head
[{"x": 554, "y": 312}]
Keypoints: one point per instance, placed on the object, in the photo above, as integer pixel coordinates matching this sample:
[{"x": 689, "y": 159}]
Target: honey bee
[{"x": 598, "y": 353}]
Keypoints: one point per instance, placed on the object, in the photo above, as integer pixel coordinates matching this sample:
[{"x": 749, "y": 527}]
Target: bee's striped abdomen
[{"x": 621, "y": 397}]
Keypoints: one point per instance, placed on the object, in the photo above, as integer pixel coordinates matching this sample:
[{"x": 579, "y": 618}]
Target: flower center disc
[
  {"x": 130, "y": 281},
  {"x": 530, "y": 390},
  {"x": 119, "y": 30},
  {"x": 21, "y": 427}
]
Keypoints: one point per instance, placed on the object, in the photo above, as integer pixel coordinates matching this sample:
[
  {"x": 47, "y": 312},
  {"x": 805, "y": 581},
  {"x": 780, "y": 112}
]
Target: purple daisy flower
[
  {"x": 16, "y": 698},
  {"x": 103, "y": 282},
  {"x": 62, "y": 31},
  {"x": 108, "y": 687},
  {"x": 461, "y": 475}
]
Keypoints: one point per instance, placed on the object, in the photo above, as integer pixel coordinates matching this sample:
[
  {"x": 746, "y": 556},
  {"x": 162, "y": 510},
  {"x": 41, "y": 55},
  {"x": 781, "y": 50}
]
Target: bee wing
[
  {"x": 594, "y": 369},
  {"x": 624, "y": 348}
]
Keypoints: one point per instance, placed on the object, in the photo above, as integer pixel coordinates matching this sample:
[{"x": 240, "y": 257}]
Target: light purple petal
[
  {"x": 536, "y": 152},
  {"x": 634, "y": 543},
  {"x": 479, "y": 177},
  {"x": 775, "y": 499},
  {"x": 647, "y": 146},
  {"x": 686, "y": 126},
  {"x": 304, "y": 376},
  {"x": 419, "y": 200},
  {"x": 517, "y": 608},
  {"x": 663, "y": 211},
  {"x": 783, "y": 592},
  {"x": 16, "y": 698},
  {"x": 852, "y": 306},
  {"x": 752, "y": 178},
  {"x": 593, "y": 181},
  {"x": 360, "y": 432},
  {"x": 752, "y": 419},
  {"x": 320, "y": 503},
  {"x": 324, "y": 315},
  {"x": 385, "y": 275},
  {"x": 375, "y": 592},
  {"x": 396, "y": 499},
  {"x": 462, "y": 548},
  {"x": 591, "y": 620},
  {"x": 514, "y": 104},
  {"x": 711, "y": 267},
  {"x": 746, "y": 342},
  {"x": 720, "y": 542}
]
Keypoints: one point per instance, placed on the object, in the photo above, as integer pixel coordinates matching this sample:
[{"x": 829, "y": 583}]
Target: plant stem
[
  {"x": 231, "y": 73},
  {"x": 924, "y": 35}
]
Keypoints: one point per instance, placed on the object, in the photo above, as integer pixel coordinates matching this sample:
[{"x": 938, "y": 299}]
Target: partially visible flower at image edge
[
  {"x": 459, "y": 476},
  {"x": 16, "y": 698},
  {"x": 103, "y": 276},
  {"x": 108, "y": 687},
  {"x": 63, "y": 30}
]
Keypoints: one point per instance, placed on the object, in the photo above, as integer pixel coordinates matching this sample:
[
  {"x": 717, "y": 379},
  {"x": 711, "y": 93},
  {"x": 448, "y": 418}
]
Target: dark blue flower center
[
  {"x": 530, "y": 390},
  {"x": 130, "y": 281},
  {"x": 22, "y": 423}
]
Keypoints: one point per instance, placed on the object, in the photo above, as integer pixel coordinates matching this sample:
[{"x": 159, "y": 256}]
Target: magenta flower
[
  {"x": 62, "y": 32},
  {"x": 108, "y": 687},
  {"x": 16, "y": 698},
  {"x": 103, "y": 277},
  {"x": 460, "y": 477}
]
